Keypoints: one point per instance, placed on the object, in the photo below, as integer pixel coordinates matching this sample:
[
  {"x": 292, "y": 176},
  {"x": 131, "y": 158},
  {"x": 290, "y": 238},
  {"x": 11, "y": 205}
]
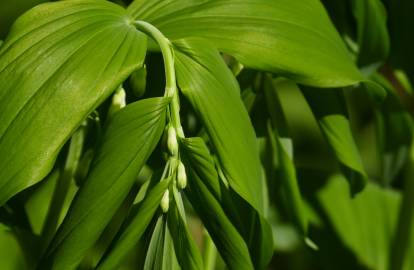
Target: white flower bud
[
  {"x": 181, "y": 176},
  {"x": 172, "y": 143},
  {"x": 118, "y": 101},
  {"x": 165, "y": 201}
]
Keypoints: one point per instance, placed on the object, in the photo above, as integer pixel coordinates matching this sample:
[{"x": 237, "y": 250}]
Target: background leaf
[
  {"x": 330, "y": 110},
  {"x": 366, "y": 223},
  {"x": 372, "y": 33}
]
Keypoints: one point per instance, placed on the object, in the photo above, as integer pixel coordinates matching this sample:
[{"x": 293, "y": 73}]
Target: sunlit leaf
[
  {"x": 58, "y": 63},
  {"x": 292, "y": 38},
  {"x": 214, "y": 94}
]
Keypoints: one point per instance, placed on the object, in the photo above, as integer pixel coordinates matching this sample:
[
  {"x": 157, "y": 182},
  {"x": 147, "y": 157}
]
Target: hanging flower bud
[
  {"x": 165, "y": 201},
  {"x": 172, "y": 143},
  {"x": 181, "y": 176},
  {"x": 118, "y": 101}
]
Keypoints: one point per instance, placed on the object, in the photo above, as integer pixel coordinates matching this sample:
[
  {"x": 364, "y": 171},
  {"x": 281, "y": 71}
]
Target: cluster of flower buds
[{"x": 180, "y": 173}]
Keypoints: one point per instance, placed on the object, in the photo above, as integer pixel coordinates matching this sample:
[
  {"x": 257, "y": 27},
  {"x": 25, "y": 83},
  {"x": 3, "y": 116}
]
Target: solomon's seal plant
[{"x": 209, "y": 134}]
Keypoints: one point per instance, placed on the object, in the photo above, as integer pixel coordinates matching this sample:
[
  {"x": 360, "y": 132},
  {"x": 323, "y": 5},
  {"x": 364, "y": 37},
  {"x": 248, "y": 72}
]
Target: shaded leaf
[
  {"x": 203, "y": 197},
  {"x": 282, "y": 155},
  {"x": 130, "y": 138},
  {"x": 372, "y": 33},
  {"x": 330, "y": 111},
  {"x": 401, "y": 23},
  {"x": 394, "y": 131},
  {"x": 186, "y": 250},
  {"x": 161, "y": 253},
  {"x": 58, "y": 63},
  {"x": 135, "y": 229},
  {"x": 366, "y": 223}
]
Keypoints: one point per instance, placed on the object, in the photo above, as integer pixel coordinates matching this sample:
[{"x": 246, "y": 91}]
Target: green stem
[
  {"x": 62, "y": 186},
  {"x": 170, "y": 79}
]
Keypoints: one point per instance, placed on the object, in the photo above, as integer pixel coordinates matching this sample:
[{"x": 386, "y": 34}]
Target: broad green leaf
[
  {"x": 293, "y": 38},
  {"x": 372, "y": 33},
  {"x": 129, "y": 139},
  {"x": 58, "y": 63},
  {"x": 135, "y": 229},
  {"x": 185, "y": 248},
  {"x": 330, "y": 111},
  {"x": 282, "y": 150},
  {"x": 366, "y": 223},
  {"x": 204, "y": 198},
  {"x": 214, "y": 94}
]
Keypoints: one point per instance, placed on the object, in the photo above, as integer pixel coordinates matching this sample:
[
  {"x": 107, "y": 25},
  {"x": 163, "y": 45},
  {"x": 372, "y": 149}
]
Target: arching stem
[{"x": 170, "y": 79}]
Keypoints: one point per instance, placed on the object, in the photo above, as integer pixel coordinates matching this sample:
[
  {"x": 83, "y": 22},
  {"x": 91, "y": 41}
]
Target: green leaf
[
  {"x": 213, "y": 92},
  {"x": 366, "y": 223},
  {"x": 161, "y": 253},
  {"x": 372, "y": 33},
  {"x": 395, "y": 133},
  {"x": 9, "y": 11},
  {"x": 130, "y": 138},
  {"x": 186, "y": 250},
  {"x": 282, "y": 149},
  {"x": 204, "y": 198},
  {"x": 135, "y": 229},
  {"x": 58, "y": 63},
  {"x": 330, "y": 111},
  {"x": 293, "y": 38}
]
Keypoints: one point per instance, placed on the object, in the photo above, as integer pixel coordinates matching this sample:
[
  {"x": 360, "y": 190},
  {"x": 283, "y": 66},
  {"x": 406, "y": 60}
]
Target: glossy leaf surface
[
  {"x": 58, "y": 63},
  {"x": 214, "y": 94},
  {"x": 293, "y": 38}
]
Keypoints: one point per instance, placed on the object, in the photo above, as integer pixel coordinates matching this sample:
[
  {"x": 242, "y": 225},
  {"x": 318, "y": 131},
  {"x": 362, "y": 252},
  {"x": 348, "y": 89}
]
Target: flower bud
[
  {"x": 181, "y": 176},
  {"x": 172, "y": 143},
  {"x": 165, "y": 201},
  {"x": 118, "y": 101}
]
